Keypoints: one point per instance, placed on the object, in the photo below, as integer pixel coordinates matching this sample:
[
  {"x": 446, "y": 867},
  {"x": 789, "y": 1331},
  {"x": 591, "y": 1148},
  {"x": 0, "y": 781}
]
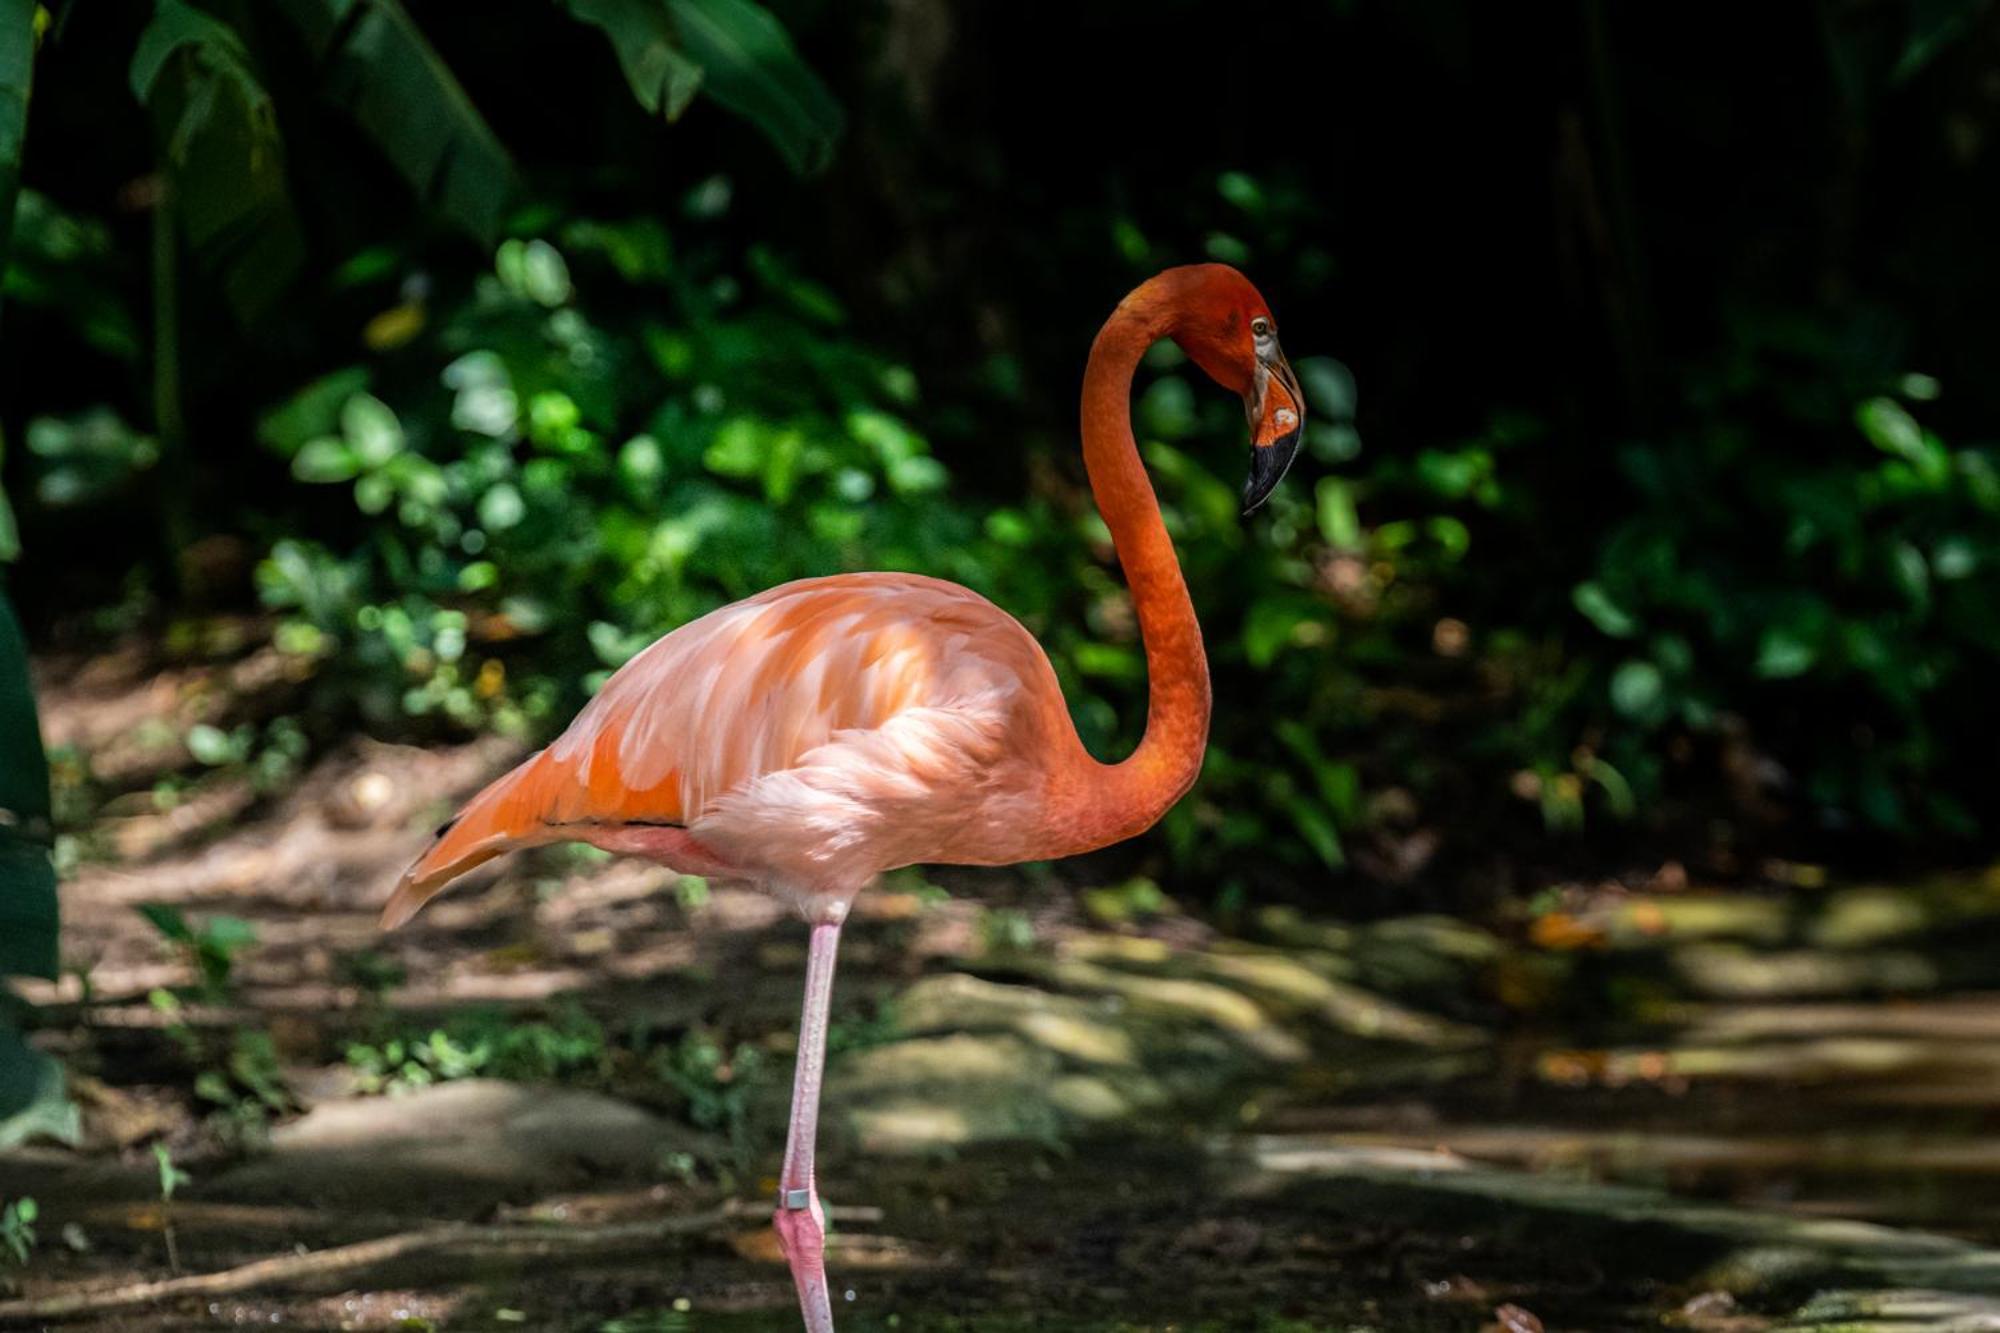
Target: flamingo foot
[
  {"x": 802, "y": 1236},
  {"x": 800, "y": 1221}
]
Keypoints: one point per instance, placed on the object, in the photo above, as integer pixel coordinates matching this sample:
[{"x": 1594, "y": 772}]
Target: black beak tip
[{"x": 1268, "y": 466}]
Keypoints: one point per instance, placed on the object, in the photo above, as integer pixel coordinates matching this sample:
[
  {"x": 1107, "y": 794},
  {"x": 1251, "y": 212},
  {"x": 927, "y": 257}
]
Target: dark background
[{"x": 1646, "y": 261}]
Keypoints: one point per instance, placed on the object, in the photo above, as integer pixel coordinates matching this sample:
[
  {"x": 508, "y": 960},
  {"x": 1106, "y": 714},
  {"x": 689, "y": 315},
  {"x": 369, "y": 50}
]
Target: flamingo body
[{"x": 804, "y": 740}]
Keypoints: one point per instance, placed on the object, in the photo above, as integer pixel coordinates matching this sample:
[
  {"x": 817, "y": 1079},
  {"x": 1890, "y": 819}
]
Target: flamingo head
[{"x": 1226, "y": 328}]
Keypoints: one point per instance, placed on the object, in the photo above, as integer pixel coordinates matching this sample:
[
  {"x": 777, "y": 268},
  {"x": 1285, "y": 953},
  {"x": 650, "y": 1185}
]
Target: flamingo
[{"x": 818, "y": 734}]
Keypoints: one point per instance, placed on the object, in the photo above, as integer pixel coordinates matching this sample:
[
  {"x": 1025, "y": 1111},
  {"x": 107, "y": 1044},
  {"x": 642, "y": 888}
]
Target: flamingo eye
[{"x": 1261, "y": 327}]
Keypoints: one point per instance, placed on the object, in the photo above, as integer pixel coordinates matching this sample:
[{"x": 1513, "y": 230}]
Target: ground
[{"x": 556, "y": 1100}]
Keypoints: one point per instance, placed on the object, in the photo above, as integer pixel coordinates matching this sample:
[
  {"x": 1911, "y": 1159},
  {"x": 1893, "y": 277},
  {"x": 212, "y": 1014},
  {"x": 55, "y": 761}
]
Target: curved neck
[{"x": 1128, "y": 797}]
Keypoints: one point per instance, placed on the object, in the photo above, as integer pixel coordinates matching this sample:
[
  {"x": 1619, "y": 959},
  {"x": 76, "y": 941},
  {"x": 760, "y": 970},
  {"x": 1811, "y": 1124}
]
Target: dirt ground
[{"x": 556, "y": 1099}]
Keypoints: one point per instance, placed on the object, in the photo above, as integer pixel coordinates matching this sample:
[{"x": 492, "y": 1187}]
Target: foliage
[
  {"x": 734, "y": 51},
  {"x": 715, "y": 1085},
  {"x": 17, "y": 61},
  {"x": 378, "y": 66},
  {"x": 571, "y": 1047},
  {"x": 218, "y": 128},
  {"x": 236, "y": 1070},
  {"x": 1809, "y": 553},
  {"x": 27, "y": 879},
  {"x": 171, "y": 1176},
  {"x": 17, "y": 1229},
  {"x": 623, "y": 426},
  {"x": 719, "y": 1085},
  {"x": 205, "y": 82},
  {"x": 34, "y": 1102},
  {"x": 565, "y": 466},
  {"x": 210, "y": 948}
]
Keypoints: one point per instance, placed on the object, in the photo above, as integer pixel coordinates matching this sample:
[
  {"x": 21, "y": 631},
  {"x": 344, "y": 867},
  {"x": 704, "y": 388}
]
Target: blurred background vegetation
[{"x": 1652, "y": 496}]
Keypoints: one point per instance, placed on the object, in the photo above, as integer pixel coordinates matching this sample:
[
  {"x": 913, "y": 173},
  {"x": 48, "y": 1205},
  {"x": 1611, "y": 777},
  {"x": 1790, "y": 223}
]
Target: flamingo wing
[{"x": 806, "y": 738}]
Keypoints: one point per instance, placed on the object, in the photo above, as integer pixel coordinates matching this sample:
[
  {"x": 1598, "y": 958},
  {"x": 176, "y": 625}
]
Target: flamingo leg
[{"x": 800, "y": 1221}]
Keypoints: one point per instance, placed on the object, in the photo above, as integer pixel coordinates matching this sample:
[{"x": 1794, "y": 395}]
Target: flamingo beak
[{"x": 1277, "y": 412}]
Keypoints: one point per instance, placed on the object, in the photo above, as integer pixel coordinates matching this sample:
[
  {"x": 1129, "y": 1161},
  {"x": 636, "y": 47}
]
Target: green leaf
[
  {"x": 1338, "y": 522},
  {"x": 1934, "y": 25},
  {"x": 68, "y": 266},
  {"x": 1318, "y": 831},
  {"x": 33, "y": 1101},
  {"x": 1329, "y": 387},
  {"x": 169, "y": 921},
  {"x": 325, "y": 459},
  {"x": 737, "y": 450},
  {"x": 750, "y": 67},
  {"x": 1890, "y": 428},
  {"x": 501, "y": 508},
  {"x": 1451, "y": 534},
  {"x": 642, "y": 34},
  {"x": 210, "y": 745},
  {"x": 312, "y": 411},
  {"x": 378, "y": 65},
  {"x": 10, "y": 532},
  {"x": 224, "y": 158},
  {"x": 1783, "y": 652},
  {"x": 171, "y": 1177},
  {"x": 1272, "y": 624},
  {"x": 27, "y": 879},
  {"x": 17, "y": 75},
  {"x": 1638, "y": 690},
  {"x": 535, "y": 269},
  {"x": 371, "y": 429},
  {"x": 1596, "y": 606},
  {"x": 1912, "y": 574}
]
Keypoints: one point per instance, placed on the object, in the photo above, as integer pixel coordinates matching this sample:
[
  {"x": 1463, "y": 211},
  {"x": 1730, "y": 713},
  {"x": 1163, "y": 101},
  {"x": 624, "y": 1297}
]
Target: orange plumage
[{"x": 804, "y": 740}]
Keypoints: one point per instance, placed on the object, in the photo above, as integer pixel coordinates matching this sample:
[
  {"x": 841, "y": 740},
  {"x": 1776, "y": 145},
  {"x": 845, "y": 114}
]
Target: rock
[
  {"x": 1173, "y": 999},
  {"x": 1894, "y": 1312},
  {"x": 1645, "y": 920},
  {"x": 1290, "y": 987},
  {"x": 1290, "y": 927},
  {"x": 1073, "y": 1028},
  {"x": 950, "y": 1061},
  {"x": 1089, "y": 1098},
  {"x": 916, "y": 1126},
  {"x": 474, "y": 1142},
  {"x": 1020, "y": 1084},
  {"x": 1733, "y": 972},
  {"x": 929, "y": 1094}
]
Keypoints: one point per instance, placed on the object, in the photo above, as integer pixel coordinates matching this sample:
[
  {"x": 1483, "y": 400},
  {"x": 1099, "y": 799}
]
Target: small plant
[
  {"x": 373, "y": 973},
  {"x": 1003, "y": 930},
  {"x": 692, "y": 892},
  {"x": 171, "y": 1179},
  {"x": 1118, "y": 904},
  {"x": 210, "y": 948},
  {"x": 238, "y": 1072},
  {"x": 17, "y": 1229},
  {"x": 572, "y": 1046},
  {"x": 718, "y": 1085},
  {"x": 651, "y": 1321},
  {"x": 853, "y": 1032}
]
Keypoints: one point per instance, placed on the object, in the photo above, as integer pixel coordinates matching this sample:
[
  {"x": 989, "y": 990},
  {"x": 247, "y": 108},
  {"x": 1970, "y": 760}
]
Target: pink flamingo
[{"x": 818, "y": 734}]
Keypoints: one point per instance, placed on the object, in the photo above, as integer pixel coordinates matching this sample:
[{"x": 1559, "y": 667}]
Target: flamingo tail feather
[{"x": 507, "y": 814}]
